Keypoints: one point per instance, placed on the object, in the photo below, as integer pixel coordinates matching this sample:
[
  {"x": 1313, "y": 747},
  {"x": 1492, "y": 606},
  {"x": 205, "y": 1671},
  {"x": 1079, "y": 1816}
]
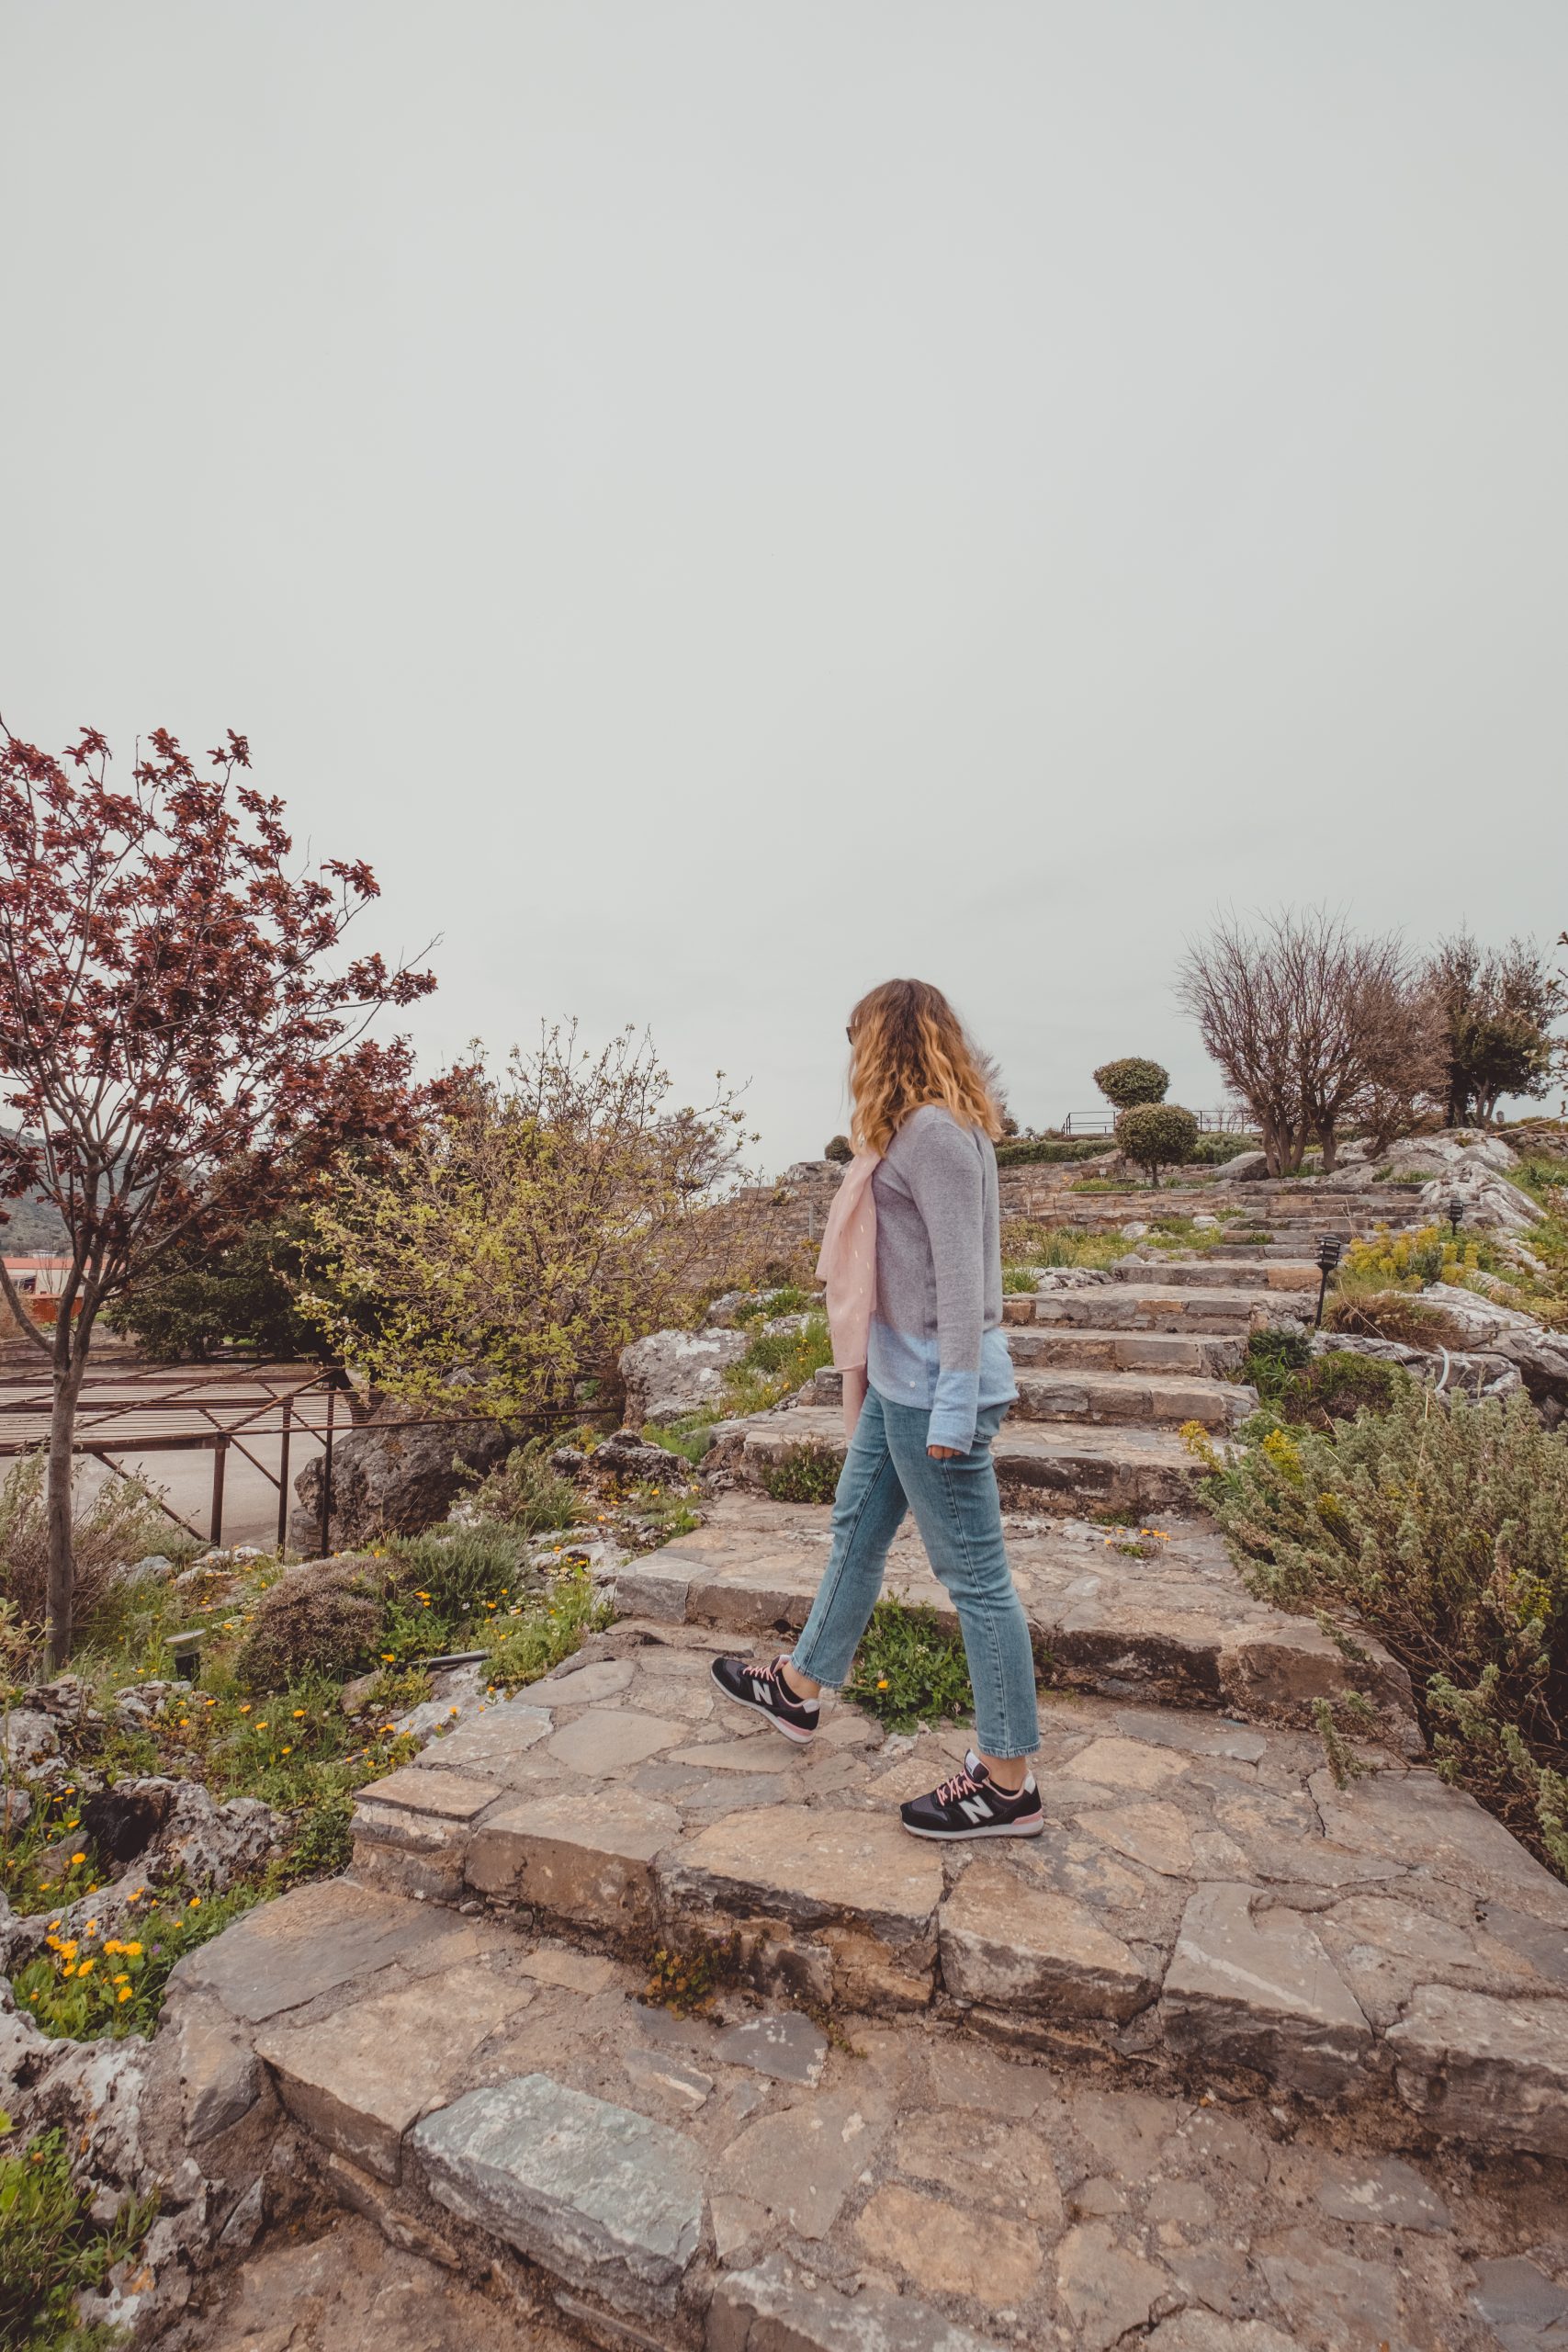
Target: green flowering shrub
[{"x": 1443, "y": 1526}]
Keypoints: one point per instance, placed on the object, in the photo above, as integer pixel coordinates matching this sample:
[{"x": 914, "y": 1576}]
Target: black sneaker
[
  {"x": 971, "y": 1805},
  {"x": 762, "y": 1687}
]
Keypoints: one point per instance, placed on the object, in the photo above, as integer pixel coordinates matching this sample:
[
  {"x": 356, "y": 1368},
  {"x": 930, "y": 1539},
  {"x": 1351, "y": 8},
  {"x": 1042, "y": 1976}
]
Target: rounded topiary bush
[
  {"x": 1157, "y": 1136},
  {"x": 1132, "y": 1082},
  {"x": 326, "y": 1616},
  {"x": 839, "y": 1148}
]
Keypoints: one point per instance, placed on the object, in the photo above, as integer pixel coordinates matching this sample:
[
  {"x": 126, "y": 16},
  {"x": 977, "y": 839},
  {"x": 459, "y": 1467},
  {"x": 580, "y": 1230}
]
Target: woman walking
[{"x": 912, "y": 1262}]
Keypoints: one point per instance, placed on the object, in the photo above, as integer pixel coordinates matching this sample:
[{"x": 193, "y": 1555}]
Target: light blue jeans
[{"x": 959, "y": 1515}]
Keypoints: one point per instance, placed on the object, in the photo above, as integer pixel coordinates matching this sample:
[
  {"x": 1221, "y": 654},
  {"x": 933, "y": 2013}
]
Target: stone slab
[
  {"x": 790, "y": 2048},
  {"x": 854, "y": 1880},
  {"x": 583, "y": 1852},
  {"x": 1009, "y": 1945},
  {"x": 310, "y": 1941},
  {"x": 1118, "y": 1395},
  {"x": 359, "y": 2080},
  {"x": 1261, "y": 1992},
  {"x": 444, "y": 1795},
  {"x": 602, "y": 1739},
  {"x": 599, "y": 2196},
  {"x": 1483, "y": 2069},
  {"x": 774, "y": 2308}
]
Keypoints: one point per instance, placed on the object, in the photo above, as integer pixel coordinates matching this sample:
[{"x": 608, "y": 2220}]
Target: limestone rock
[
  {"x": 791, "y": 2049},
  {"x": 361, "y": 2079},
  {"x": 1522, "y": 2306},
  {"x": 392, "y": 1481},
  {"x": 852, "y": 1882},
  {"x": 628, "y": 1456},
  {"x": 1541, "y": 1355},
  {"x": 28, "y": 1740},
  {"x": 581, "y": 1852},
  {"x": 1201, "y": 2331},
  {"x": 772, "y": 2309},
  {"x": 803, "y": 2163},
  {"x": 1246, "y": 1168},
  {"x": 318, "y": 1937},
  {"x": 1488, "y": 2070},
  {"x": 1013, "y": 1946},
  {"x": 1261, "y": 1992},
  {"x": 673, "y": 1373},
  {"x": 934, "y": 2243},
  {"x": 598, "y": 2197},
  {"x": 1108, "y": 2290}
]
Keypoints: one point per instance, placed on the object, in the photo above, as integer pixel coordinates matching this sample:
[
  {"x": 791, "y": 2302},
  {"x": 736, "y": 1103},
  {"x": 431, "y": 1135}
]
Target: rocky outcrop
[
  {"x": 153, "y": 1832},
  {"x": 1541, "y": 1355},
  {"x": 393, "y": 1478},
  {"x": 672, "y": 1373}
]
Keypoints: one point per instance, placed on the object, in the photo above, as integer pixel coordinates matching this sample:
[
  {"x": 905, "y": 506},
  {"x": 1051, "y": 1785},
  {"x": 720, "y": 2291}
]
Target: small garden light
[
  {"x": 1328, "y": 1256},
  {"x": 1456, "y": 1210}
]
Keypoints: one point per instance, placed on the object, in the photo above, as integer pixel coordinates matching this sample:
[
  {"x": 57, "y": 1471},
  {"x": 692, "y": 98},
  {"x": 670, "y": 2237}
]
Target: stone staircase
[
  {"x": 1141, "y": 2079},
  {"x": 1108, "y": 1373}
]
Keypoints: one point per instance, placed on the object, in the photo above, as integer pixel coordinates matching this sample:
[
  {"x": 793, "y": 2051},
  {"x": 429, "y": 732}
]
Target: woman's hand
[{"x": 941, "y": 1452}]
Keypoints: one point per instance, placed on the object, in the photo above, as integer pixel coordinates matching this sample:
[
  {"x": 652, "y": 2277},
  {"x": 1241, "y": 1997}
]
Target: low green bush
[
  {"x": 910, "y": 1670},
  {"x": 1214, "y": 1150},
  {"x": 1132, "y": 1082},
  {"x": 530, "y": 1642},
  {"x": 809, "y": 1474},
  {"x": 1031, "y": 1151},
  {"x": 1157, "y": 1136},
  {"x": 1443, "y": 1526},
  {"x": 775, "y": 1365},
  {"x": 327, "y": 1617},
  {"x": 1026, "y": 1242},
  {"x": 102, "y": 1987},
  {"x": 525, "y": 1493}
]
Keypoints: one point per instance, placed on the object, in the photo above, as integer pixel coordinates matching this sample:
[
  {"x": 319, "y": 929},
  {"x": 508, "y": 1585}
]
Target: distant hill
[{"x": 34, "y": 1230}]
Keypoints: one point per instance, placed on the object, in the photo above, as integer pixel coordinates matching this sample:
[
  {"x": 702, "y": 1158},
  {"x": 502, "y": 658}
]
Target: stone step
[
  {"x": 1137, "y": 1471},
  {"x": 1223, "y": 1274},
  {"x": 1032, "y": 1345},
  {"x": 1113, "y": 1398},
  {"x": 1203, "y": 1896},
  {"x": 590, "y": 2168},
  {"x": 1211, "y": 1356},
  {"x": 1161, "y": 1616},
  {"x": 1129, "y": 1304}
]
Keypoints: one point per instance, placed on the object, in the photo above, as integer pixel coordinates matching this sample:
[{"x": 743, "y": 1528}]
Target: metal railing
[
  {"x": 238, "y": 1419},
  {"x": 1103, "y": 1122}
]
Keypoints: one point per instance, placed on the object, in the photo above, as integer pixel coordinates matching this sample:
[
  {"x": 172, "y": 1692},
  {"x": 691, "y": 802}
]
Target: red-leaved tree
[{"x": 180, "y": 1041}]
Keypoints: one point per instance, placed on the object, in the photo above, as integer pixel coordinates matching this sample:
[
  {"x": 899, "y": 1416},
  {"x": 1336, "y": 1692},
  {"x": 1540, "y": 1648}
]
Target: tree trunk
[
  {"x": 1330, "y": 1144},
  {"x": 69, "y": 1365}
]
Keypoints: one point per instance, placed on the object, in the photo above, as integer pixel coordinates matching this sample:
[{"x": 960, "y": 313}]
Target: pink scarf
[{"x": 848, "y": 1266}]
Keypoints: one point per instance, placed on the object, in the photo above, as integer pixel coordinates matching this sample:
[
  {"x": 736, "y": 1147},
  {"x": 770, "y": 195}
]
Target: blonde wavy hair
[{"x": 908, "y": 1046}]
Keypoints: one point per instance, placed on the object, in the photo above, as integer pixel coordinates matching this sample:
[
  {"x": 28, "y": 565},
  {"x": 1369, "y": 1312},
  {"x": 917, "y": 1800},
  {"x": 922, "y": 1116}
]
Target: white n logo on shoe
[
  {"x": 975, "y": 1809},
  {"x": 759, "y": 1691}
]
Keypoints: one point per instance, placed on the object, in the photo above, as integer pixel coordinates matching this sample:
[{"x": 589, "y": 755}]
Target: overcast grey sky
[{"x": 720, "y": 502}]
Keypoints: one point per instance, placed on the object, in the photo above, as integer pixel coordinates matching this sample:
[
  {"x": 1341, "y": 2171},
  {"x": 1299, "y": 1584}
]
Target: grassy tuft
[
  {"x": 52, "y": 2250},
  {"x": 810, "y": 1474}
]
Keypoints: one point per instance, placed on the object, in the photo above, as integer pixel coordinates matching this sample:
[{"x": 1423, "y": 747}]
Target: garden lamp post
[
  {"x": 1328, "y": 1255},
  {"x": 1456, "y": 1210}
]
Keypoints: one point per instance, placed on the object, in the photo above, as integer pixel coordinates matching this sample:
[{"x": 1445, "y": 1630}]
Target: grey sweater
[{"x": 936, "y": 1336}]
